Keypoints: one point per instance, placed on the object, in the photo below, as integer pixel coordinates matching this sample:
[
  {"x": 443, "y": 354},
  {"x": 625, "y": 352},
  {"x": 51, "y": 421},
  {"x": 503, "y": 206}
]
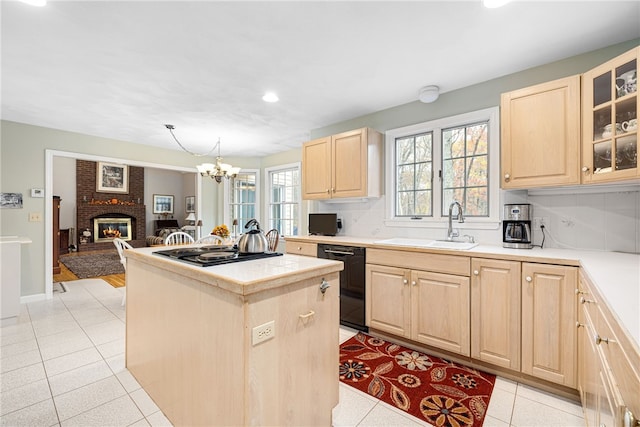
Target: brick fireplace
[{"x": 92, "y": 205}]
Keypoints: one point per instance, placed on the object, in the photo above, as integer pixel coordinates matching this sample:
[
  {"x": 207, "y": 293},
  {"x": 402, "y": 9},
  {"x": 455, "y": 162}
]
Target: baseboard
[{"x": 33, "y": 298}]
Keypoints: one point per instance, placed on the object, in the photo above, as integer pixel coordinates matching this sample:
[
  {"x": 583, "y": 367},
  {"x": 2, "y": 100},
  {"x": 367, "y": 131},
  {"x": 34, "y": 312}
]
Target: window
[
  {"x": 283, "y": 189},
  {"x": 242, "y": 199},
  {"x": 465, "y": 169},
  {"x": 445, "y": 160}
]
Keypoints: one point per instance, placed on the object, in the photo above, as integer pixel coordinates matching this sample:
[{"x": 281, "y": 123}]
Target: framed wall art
[
  {"x": 11, "y": 200},
  {"x": 112, "y": 178},
  {"x": 162, "y": 204},
  {"x": 190, "y": 203}
]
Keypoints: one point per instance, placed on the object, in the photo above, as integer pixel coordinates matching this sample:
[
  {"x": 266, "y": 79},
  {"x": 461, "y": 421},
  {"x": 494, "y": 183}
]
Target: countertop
[
  {"x": 243, "y": 278},
  {"x": 616, "y": 275}
]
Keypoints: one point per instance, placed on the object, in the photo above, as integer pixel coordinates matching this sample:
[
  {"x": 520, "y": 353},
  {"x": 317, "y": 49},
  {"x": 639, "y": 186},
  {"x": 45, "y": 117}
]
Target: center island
[{"x": 200, "y": 341}]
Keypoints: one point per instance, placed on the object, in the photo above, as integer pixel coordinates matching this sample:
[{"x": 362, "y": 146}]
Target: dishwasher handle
[{"x": 331, "y": 251}]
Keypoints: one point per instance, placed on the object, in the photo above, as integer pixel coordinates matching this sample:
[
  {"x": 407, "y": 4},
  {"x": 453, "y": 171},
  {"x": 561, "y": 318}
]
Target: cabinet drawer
[
  {"x": 302, "y": 248},
  {"x": 447, "y": 264}
]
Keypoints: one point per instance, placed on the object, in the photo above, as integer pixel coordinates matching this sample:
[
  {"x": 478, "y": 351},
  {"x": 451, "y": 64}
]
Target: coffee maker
[{"x": 516, "y": 226}]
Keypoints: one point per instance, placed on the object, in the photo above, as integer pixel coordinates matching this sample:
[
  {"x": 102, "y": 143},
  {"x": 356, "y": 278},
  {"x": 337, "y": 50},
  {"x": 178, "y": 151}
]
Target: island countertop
[{"x": 243, "y": 278}]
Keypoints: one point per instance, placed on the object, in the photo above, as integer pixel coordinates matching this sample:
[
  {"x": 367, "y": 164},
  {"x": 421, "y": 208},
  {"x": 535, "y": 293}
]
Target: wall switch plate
[
  {"x": 35, "y": 217},
  {"x": 263, "y": 332}
]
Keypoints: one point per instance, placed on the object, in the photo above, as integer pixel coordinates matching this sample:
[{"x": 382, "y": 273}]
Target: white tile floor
[{"x": 62, "y": 364}]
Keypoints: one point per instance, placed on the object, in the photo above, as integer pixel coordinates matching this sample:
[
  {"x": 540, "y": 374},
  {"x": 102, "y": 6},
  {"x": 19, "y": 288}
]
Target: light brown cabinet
[
  {"x": 495, "y": 312},
  {"x": 608, "y": 368},
  {"x": 610, "y": 120},
  {"x": 429, "y": 307},
  {"x": 345, "y": 165},
  {"x": 540, "y": 135},
  {"x": 549, "y": 315},
  {"x": 301, "y": 248}
]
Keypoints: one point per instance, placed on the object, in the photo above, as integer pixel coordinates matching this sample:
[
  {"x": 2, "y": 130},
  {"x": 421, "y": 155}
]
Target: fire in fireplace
[{"x": 106, "y": 229}]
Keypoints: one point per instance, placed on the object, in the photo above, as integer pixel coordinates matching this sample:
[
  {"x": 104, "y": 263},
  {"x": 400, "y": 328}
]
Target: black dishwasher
[{"x": 352, "y": 282}]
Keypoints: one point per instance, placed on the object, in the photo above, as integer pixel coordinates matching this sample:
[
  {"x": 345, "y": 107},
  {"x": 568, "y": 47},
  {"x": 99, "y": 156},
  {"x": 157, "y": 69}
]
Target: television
[{"x": 323, "y": 224}]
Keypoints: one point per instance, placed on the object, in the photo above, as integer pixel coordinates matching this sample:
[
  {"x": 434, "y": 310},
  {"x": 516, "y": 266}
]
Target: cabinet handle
[
  {"x": 507, "y": 177},
  {"x": 324, "y": 286},
  {"x": 578, "y": 291},
  {"x": 413, "y": 282},
  {"x": 629, "y": 419},
  {"x": 405, "y": 281},
  {"x": 585, "y": 169},
  {"x": 333, "y": 190},
  {"x": 299, "y": 248},
  {"x": 476, "y": 272},
  {"x": 583, "y": 300},
  {"x": 328, "y": 191},
  {"x": 598, "y": 339},
  {"x": 308, "y": 315},
  {"x": 528, "y": 279},
  {"x": 578, "y": 325}
]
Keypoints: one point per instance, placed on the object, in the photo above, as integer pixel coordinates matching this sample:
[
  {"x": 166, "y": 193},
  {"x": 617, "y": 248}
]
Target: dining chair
[
  {"x": 179, "y": 238},
  {"x": 121, "y": 245},
  {"x": 272, "y": 238},
  {"x": 211, "y": 238}
]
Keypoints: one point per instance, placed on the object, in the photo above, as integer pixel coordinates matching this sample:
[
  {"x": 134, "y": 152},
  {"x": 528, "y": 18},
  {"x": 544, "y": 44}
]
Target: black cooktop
[{"x": 207, "y": 256}]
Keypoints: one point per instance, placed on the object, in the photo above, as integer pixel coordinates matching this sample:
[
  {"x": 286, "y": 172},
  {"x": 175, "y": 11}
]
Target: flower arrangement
[{"x": 221, "y": 231}]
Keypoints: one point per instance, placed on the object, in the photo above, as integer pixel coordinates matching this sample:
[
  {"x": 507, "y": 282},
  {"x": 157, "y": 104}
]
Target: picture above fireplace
[{"x": 107, "y": 229}]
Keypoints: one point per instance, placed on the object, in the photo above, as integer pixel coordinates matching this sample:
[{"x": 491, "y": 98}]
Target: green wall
[{"x": 476, "y": 97}]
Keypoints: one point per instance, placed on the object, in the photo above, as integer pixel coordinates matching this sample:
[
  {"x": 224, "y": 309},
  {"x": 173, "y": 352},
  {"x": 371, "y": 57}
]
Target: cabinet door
[
  {"x": 316, "y": 169},
  {"x": 610, "y": 120},
  {"x": 540, "y": 143},
  {"x": 440, "y": 311},
  {"x": 495, "y": 312},
  {"x": 388, "y": 302},
  {"x": 549, "y": 322},
  {"x": 349, "y": 156},
  {"x": 587, "y": 369}
]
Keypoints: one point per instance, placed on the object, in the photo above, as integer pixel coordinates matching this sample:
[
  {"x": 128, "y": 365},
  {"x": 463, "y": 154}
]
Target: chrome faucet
[{"x": 451, "y": 233}]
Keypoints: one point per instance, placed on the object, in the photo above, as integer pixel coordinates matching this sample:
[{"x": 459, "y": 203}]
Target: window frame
[
  {"x": 492, "y": 116},
  {"x": 267, "y": 199},
  {"x": 227, "y": 200}
]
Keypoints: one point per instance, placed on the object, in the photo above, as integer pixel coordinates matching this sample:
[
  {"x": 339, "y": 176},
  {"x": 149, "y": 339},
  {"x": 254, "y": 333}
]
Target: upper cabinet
[
  {"x": 610, "y": 120},
  {"x": 543, "y": 144},
  {"x": 540, "y": 141},
  {"x": 345, "y": 165}
]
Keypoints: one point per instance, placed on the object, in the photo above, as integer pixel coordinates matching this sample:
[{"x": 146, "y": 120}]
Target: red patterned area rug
[{"x": 435, "y": 390}]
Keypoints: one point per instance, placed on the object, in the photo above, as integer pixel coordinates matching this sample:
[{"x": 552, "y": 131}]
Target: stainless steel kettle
[{"x": 253, "y": 241}]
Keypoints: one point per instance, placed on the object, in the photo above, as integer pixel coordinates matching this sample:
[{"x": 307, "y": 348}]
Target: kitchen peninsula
[{"x": 248, "y": 343}]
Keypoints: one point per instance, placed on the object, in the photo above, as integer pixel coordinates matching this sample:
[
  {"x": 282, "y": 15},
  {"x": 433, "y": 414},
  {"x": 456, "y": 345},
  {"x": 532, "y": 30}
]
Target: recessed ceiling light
[
  {"x": 270, "y": 97},
  {"x": 492, "y": 4},
  {"x": 38, "y": 3}
]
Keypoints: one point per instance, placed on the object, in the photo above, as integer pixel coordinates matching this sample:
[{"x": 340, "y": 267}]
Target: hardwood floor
[{"x": 66, "y": 275}]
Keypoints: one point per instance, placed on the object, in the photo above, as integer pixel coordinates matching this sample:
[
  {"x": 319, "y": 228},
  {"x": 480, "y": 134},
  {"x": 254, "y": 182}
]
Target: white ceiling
[{"x": 121, "y": 69}]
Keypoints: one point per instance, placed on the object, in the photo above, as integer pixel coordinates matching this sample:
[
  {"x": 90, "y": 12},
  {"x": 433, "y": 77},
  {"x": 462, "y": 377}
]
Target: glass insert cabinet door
[{"x": 610, "y": 120}]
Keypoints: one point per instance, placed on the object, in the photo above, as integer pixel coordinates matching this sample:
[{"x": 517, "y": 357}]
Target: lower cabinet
[
  {"x": 426, "y": 307},
  {"x": 608, "y": 368},
  {"x": 549, "y": 313},
  {"x": 495, "y": 312}
]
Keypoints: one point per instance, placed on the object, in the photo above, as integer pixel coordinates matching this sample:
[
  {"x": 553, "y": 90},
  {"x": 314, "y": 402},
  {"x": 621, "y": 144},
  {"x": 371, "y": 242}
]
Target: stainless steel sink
[{"x": 447, "y": 244}]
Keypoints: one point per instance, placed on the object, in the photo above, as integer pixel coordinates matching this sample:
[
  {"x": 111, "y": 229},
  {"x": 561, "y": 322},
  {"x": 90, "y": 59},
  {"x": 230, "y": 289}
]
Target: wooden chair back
[
  {"x": 179, "y": 238},
  {"x": 272, "y": 238}
]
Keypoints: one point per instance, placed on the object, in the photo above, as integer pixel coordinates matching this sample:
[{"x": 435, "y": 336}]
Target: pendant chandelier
[{"x": 215, "y": 171}]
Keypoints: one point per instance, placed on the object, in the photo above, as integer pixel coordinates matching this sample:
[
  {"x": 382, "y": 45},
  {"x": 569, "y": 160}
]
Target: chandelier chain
[{"x": 171, "y": 128}]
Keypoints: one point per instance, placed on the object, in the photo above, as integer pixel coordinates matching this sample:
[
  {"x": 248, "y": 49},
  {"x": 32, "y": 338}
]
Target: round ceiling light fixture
[
  {"x": 429, "y": 94},
  {"x": 270, "y": 97}
]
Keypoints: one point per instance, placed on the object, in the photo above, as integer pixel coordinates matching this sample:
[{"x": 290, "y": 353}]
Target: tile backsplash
[{"x": 607, "y": 221}]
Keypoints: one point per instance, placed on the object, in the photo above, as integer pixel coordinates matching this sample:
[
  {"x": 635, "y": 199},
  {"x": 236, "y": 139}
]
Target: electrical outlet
[
  {"x": 540, "y": 220},
  {"x": 35, "y": 217},
  {"x": 263, "y": 332}
]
